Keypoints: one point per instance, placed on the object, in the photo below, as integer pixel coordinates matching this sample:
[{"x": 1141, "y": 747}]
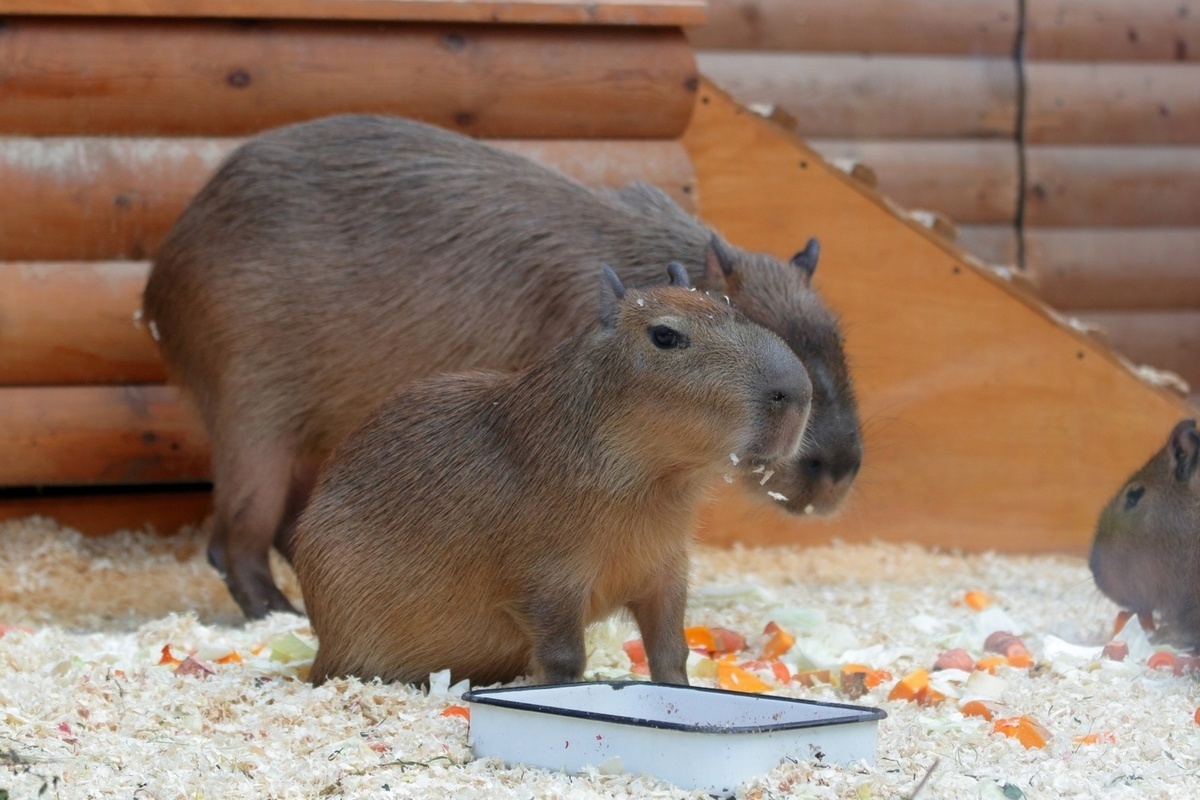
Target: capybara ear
[
  {"x": 806, "y": 259},
  {"x": 611, "y": 293},
  {"x": 718, "y": 265},
  {"x": 678, "y": 275},
  {"x": 1184, "y": 448}
]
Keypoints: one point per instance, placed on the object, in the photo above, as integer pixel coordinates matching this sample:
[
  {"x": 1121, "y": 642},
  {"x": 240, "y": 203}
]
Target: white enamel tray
[{"x": 694, "y": 738}]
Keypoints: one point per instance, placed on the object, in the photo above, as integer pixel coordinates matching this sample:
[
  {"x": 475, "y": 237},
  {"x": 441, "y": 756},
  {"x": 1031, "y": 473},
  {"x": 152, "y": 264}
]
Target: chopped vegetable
[
  {"x": 980, "y": 708},
  {"x": 735, "y": 679},
  {"x": 780, "y": 642},
  {"x": 811, "y": 677},
  {"x": 1196, "y": 716},
  {"x": 457, "y": 711},
  {"x": 776, "y": 667},
  {"x": 871, "y": 677},
  {"x": 915, "y": 688},
  {"x": 1005, "y": 643},
  {"x": 291, "y": 647},
  {"x": 1116, "y": 650},
  {"x": 168, "y": 658},
  {"x": 1024, "y": 730},
  {"x": 1095, "y": 738},
  {"x": 726, "y": 641},
  {"x": 232, "y": 658},
  {"x": 989, "y": 663},
  {"x": 976, "y": 600},
  {"x": 1163, "y": 659},
  {"x": 699, "y": 637},
  {"x": 957, "y": 658},
  {"x": 194, "y": 667},
  {"x": 636, "y": 650}
]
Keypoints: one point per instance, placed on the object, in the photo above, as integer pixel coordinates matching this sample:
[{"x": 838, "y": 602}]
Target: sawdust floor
[{"x": 86, "y": 709}]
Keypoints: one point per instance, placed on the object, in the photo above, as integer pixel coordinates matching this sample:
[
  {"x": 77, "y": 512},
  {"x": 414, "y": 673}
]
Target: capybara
[
  {"x": 1146, "y": 553},
  {"x": 478, "y": 522},
  {"x": 329, "y": 262}
]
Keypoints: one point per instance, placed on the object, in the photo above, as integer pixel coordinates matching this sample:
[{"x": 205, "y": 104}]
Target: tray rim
[{"x": 496, "y": 697}]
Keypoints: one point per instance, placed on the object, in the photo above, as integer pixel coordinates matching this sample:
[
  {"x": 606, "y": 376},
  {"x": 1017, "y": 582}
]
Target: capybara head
[
  {"x": 779, "y": 296},
  {"x": 1146, "y": 552},
  {"x": 700, "y": 367}
]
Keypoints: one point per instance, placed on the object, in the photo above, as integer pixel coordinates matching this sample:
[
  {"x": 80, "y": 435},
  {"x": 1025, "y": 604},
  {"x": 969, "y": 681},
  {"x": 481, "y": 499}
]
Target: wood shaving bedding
[{"x": 86, "y": 711}]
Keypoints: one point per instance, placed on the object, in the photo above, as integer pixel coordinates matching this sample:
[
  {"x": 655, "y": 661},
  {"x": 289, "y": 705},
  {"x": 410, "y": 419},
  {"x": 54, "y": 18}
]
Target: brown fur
[
  {"x": 327, "y": 263},
  {"x": 478, "y": 522},
  {"x": 1146, "y": 553}
]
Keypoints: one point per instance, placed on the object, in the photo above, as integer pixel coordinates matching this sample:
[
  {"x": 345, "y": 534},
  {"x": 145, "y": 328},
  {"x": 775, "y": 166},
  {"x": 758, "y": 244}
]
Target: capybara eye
[
  {"x": 1133, "y": 496},
  {"x": 665, "y": 338}
]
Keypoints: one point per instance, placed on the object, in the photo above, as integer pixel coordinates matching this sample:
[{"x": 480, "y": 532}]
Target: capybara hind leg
[
  {"x": 304, "y": 478},
  {"x": 659, "y": 617},
  {"x": 250, "y": 489}
]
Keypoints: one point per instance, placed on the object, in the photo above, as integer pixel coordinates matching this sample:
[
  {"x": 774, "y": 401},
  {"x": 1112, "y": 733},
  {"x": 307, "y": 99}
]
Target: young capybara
[
  {"x": 1146, "y": 553},
  {"x": 478, "y": 522},
  {"x": 329, "y": 262}
]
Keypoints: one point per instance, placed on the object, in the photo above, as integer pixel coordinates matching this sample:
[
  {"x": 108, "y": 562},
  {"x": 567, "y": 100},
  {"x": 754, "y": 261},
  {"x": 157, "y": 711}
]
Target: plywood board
[{"x": 988, "y": 424}]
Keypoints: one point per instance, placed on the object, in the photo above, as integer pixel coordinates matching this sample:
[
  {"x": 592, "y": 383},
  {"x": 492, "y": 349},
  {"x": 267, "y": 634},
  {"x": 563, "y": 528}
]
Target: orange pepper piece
[
  {"x": 457, "y": 711},
  {"x": 907, "y": 687},
  {"x": 699, "y": 637},
  {"x": 735, "y": 679},
  {"x": 168, "y": 657},
  {"x": 979, "y": 708},
  {"x": 1029, "y": 733},
  {"x": 780, "y": 642},
  {"x": 976, "y": 600}
]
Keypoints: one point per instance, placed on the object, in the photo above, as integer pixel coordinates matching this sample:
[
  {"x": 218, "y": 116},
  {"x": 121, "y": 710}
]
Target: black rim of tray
[{"x": 496, "y": 697}]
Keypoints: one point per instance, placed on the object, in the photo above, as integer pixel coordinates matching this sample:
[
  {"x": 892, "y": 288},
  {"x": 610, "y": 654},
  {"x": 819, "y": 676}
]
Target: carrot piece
[
  {"x": 231, "y": 658},
  {"x": 780, "y": 642},
  {"x": 457, "y": 711},
  {"x": 907, "y": 687},
  {"x": 976, "y": 600},
  {"x": 980, "y": 708},
  {"x": 1095, "y": 738},
  {"x": 726, "y": 641},
  {"x": 811, "y": 677},
  {"x": 168, "y": 658},
  {"x": 699, "y": 637},
  {"x": 636, "y": 651},
  {"x": 733, "y": 678},
  {"x": 989, "y": 663},
  {"x": 871, "y": 677},
  {"x": 1116, "y": 650},
  {"x": 1163, "y": 659},
  {"x": 1029, "y": 733},
  {"x": 1019, "y": 660},
  {"x": 781, "y": 671}
]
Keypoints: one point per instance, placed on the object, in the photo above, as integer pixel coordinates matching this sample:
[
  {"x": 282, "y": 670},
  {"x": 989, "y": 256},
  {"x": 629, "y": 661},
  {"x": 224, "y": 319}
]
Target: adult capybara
[
  {"x": 1146, "y": 553},
  {"x": 329, "y": 262},
  {"x": 478, "y": 522}
]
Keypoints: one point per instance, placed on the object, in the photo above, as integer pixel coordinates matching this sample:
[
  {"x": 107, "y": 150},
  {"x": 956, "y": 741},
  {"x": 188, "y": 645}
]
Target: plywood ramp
[{"x": 988, "y": 423}]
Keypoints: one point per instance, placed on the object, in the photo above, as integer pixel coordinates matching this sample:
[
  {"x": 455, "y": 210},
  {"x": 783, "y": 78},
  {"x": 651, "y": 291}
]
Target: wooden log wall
[
  {"x": 1062, "y": 137},
  {"x": 113, "y": 113}
]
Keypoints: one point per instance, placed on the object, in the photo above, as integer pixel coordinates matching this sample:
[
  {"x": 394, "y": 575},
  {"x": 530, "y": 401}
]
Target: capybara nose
[
  {"x": 787, "y": 383},
  {"x": 838, "y": 463}
]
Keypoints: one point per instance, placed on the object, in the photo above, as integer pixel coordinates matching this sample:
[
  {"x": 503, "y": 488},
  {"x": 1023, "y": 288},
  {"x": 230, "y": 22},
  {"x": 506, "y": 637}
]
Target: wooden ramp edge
[{"x": 989, "y": 422}]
